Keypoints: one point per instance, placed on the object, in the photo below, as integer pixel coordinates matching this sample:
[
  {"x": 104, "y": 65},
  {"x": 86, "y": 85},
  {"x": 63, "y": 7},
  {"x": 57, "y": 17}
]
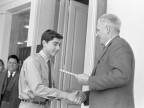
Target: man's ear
[
  {"x": 44, "y": 43},
  {"x": 107, "y": 29}
]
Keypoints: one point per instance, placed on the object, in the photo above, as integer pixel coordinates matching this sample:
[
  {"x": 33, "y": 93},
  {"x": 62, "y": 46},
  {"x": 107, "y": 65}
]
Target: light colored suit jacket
[{"x": 111, "y": 82}]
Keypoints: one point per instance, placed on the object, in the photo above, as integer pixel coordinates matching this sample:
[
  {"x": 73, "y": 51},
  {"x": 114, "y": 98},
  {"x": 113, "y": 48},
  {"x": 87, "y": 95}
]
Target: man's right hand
[{"x": 76, "y": 97}]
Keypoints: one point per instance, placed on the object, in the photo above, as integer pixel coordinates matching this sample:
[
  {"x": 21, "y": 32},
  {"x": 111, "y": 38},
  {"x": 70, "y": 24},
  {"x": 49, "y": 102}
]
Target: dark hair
[
  {"x": 49, "y": 35},
  {"x": 14, "y": 57},
  {"x": 2, "y": 62}
]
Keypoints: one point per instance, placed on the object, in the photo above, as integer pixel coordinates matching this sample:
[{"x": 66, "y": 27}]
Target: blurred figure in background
[
  {"x": 1, "y": 65},
  {"x": 1, "y": 75}
]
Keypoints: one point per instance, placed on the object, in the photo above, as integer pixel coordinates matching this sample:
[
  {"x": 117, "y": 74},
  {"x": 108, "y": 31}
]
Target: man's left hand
[{"x": 82, "y": 78}]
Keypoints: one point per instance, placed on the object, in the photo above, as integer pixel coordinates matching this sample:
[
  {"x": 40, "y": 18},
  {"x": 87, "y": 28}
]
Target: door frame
[
  {"x": 62, "y": 29},
  {"x": 96, "y": 8},
  {"x": 90, "y": 34}
]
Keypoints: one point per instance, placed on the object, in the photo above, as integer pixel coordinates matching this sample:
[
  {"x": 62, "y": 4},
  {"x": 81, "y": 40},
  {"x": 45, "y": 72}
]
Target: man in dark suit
[
  {"x": 111, "y": 82},
  {"x": 9, "y": 84}
]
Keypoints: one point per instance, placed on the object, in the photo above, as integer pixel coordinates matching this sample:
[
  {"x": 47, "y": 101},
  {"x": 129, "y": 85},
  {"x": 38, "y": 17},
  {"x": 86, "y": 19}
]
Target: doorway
[
  {"x": 73, "y": 52},
  {"x": 19, "y": 35}
]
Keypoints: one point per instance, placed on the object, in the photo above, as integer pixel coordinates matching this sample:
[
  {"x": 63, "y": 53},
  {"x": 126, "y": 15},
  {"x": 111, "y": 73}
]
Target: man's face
[
  {"x": 52, "y": 47},
  {"x": 101, "y": 33},
  {"x": 12, "y": 65}
]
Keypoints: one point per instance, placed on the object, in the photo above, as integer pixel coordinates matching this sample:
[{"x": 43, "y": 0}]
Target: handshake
[{"x": 76, "y": 97}]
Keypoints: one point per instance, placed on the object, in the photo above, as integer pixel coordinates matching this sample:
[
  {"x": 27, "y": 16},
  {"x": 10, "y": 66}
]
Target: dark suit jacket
[
  {"x": 13, "y": 85},
  {"x": 2, "y": 78},
  {"x": 111, "y": 82}
]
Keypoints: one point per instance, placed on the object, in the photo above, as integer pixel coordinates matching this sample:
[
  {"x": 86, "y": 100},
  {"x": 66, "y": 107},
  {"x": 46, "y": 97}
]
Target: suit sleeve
[
  {"x": 87, "y": 98},
  {"x": 119, "y": 69}
]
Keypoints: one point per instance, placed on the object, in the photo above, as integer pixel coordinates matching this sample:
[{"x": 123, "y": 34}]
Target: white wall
[{"x": 132, "y": 16}]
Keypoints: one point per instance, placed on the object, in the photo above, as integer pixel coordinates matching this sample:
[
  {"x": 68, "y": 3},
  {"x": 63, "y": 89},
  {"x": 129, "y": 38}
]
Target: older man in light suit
[{"x": 111, "y": 82}]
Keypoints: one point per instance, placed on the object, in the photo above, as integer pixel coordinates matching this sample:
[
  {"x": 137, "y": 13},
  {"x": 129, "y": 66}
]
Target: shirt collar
[
  {"x": 109, "y": 41},
  {"x": 44, "y": 56},
  {"x": 13, "y": 73}
]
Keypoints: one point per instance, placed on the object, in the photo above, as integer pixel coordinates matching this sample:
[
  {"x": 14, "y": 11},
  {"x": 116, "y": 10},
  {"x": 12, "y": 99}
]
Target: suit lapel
[
  {"x": 103, "y": 53},
  {"x": 13, "y": 80}
]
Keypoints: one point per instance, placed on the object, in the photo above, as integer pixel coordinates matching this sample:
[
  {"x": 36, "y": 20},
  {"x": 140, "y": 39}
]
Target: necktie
[
  {"x": 50, "y": 79},
  {"x": 10, "y": 77}
]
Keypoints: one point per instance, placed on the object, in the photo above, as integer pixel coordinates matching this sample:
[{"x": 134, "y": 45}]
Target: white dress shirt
[
  {"x": 34, "y": 79},
  {"x": 9, "y": 73}
]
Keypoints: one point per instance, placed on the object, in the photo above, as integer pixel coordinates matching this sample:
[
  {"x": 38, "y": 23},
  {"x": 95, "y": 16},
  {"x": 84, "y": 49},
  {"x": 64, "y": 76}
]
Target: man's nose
[{"x": 12, "y": 65}]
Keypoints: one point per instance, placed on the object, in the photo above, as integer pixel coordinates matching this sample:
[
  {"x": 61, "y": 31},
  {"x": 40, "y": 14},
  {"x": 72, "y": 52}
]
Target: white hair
[{"x": 111, "y": 20}]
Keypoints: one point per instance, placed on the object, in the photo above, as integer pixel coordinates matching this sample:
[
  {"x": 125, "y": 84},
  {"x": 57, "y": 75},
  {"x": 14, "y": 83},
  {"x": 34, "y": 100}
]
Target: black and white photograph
[{"x": 71, "y": 54}]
